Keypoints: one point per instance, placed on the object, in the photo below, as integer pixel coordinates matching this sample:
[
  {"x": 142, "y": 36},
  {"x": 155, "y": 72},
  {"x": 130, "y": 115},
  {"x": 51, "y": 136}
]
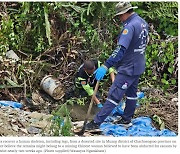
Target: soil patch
[
  {"x": 78, "y": 112},
  {"x": 164, "y": 106}
]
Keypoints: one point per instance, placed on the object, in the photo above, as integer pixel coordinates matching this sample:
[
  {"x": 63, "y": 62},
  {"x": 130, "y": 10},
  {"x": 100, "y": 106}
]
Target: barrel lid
[{"x": 47, "y": 76}]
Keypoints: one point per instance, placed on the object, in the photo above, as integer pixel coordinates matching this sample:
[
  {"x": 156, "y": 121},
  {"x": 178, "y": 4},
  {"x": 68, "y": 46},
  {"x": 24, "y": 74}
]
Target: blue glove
[
  {"x": 100, "y": 72},
  {"x": 99, "y": 105}
]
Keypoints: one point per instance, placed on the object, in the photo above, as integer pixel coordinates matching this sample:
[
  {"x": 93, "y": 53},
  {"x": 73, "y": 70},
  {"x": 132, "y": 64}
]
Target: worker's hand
[
  {"x": 100, "y": 72},
  {"x": 99, "y": 105}
]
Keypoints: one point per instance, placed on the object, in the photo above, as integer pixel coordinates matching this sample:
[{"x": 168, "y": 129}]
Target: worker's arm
[
  {"x": 116, "y": 56},
  {"x": 88, "y": 89},
  {"x": 112, "y": 76},
  {"x": 111, "y": 73},
  {"x": 112, "y": 60},
  {"x": 90, "y": 92},
  {"x": 96, "y": 100}
]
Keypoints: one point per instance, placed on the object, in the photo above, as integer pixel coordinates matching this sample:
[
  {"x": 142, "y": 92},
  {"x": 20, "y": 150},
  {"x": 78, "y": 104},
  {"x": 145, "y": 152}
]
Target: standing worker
[
  {"x": 85, "y": 80},
  {"x": 129, "y": 60}
]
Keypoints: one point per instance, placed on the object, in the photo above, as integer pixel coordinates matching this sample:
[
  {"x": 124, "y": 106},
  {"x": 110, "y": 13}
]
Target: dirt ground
[
  {"x": 165, "y": 107},
  {"x": 78, "y": 113}
]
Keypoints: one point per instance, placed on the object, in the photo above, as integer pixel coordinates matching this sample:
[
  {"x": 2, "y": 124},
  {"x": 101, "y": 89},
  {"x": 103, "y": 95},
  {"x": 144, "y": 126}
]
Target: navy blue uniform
[{"x": 129, "y": 60}]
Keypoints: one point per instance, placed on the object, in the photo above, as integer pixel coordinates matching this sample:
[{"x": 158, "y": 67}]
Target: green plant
[
  {"x": 25, "y": 27},
  {"x": 163, "y": 15},
  {"x": 79, "y": 101},
  {"x": 145, "y": 102},
  {"x": 161, "y": 66},
  {"x": 158, "y": 121},
  {"x": 61, "y": 122}
]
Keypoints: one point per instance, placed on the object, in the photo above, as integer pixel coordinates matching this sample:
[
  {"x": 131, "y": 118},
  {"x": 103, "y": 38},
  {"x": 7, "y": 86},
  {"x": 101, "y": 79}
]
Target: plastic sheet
[
  {"x": 11, "y": 103},
  {"x": 111, "y": 129},
  {"x": 142, "y": 126}
]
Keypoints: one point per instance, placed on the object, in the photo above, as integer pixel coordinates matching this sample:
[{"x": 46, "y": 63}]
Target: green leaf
[
  {"x": 12, "y": 83},
  {"x": 26, "y": 6},
  {"x": 76, "y": 8},
  {"x": 173, "y": 81},
  {"x": 154, "y": 78},
  {"x": 82, "y": 13},
  {"x": 158, "y": 120},
  {"x": 48, "y": 29},
  {"x": 102, "y": 3},
  {"x": 88, "y": 9},
  {"x": 164, "y": 81},
  {"x": 162, "y": 126},
  {"x": 165, "y": 76},
  {"x": 170, "y": 69},
  {"x": 149, "y": 72}
]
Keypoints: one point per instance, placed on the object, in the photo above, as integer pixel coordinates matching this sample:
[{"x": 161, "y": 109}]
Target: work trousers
[{"x": 123, "y": 84}]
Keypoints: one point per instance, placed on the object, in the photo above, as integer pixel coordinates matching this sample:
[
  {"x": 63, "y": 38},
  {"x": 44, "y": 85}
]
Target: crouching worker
[{"x": 85, "y": 80}]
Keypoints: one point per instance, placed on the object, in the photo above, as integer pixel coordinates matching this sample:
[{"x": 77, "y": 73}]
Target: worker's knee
[{"x": 116, "y": 93}]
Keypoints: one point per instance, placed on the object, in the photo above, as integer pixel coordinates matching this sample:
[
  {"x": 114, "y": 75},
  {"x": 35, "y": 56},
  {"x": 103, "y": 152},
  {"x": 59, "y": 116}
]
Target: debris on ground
[{"x": 17, "y": 122}]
